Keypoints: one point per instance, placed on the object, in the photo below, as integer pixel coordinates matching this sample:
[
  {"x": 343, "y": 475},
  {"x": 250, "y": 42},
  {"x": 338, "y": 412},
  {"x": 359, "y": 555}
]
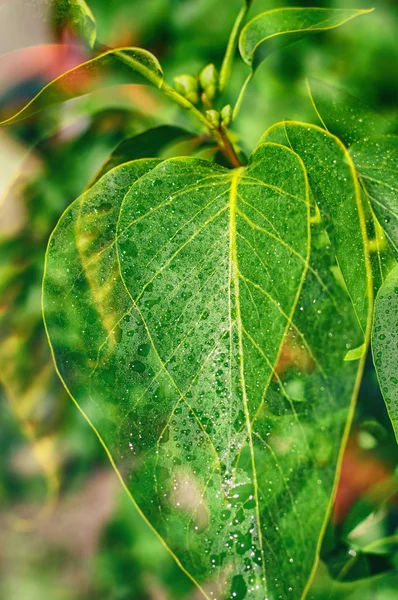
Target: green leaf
[
  {"x": 114, "y": 67},
  {"x": 77, "y": 16},
  {"x": 148, "y": 143},
  {"x": 194, "y": 319},
  {"x": 385, "y": 344},
  {"x": 279, "y": 27},
  {"x": 376, "y": 160},
  {"x": 335, "y": 188}
]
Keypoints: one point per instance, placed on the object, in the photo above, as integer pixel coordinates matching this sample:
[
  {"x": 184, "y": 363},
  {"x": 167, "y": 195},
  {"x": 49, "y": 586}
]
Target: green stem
[
  {"x": 231, "y": 47},
  {"x": 240, "y": 97},
  {"x": 219, "y": 134}
]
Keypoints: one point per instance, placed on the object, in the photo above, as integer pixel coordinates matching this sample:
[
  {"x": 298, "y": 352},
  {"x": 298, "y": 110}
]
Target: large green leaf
[
  {"x": 76, "y": 16},
  {"x": 385, "y": 343},
  {"x": 335, "y": 188},
  {"x": 203, "y": 336},
  {"x": 279, "y": 27},
  {"x": 123, "y": 65}
]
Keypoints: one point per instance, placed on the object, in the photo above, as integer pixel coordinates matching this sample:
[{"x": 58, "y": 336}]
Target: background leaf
[
  {"x": 385, "y": 343},
  {"x": 210, "y": 367},
  {"x": 123, "y": 65}
]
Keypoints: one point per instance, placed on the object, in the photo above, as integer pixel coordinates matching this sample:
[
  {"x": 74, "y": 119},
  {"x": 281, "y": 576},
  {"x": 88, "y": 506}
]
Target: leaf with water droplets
[
  {"x": 385, "y": 344},
  {"x": 194, "y": 319}
]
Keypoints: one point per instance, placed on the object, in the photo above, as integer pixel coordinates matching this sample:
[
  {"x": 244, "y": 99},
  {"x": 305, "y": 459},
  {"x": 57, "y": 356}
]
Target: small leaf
[
  {"x": 279, "y": 27},
  {"x": 75, "y": 15},
  {"x": 356, "y": 353},
  {"x": 385, "y": 344},
  {"x": 114, "y": 67}
]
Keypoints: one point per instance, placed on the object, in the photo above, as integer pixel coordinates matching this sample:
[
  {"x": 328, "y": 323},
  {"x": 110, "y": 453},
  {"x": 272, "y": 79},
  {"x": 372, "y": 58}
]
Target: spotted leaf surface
[{"x": 194, "y": 319}]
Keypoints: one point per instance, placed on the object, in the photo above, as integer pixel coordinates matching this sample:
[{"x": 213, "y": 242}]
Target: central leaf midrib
[{"x": 234, "y": 280}]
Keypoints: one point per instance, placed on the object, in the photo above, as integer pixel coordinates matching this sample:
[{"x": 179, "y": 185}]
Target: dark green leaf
[
  {"x": 279, "y": 27},
  {"x": 385, "y": 344},
  {"x": 124, "y": 65},
  {"x": 195, "y": 320}
]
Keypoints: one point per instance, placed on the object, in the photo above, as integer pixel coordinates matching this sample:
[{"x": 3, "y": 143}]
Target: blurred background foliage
[{"x": 67, "y": 530}]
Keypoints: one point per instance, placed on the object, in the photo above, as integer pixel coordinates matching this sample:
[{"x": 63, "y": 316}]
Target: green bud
[
  {"x": 226, "y": 114},
  {"x": 188, "y": 87},
  {"x": 214, "y": 117},
  {"x": 209, "y": 80}
]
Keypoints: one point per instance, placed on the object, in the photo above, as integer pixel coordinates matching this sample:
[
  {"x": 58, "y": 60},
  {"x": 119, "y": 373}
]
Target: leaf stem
[
  {"x": 240, "y": 97},
  {"x": 186, "y": 104},
  {"x": 226, "y": 66},
  {"x": 228, "y": 149}
]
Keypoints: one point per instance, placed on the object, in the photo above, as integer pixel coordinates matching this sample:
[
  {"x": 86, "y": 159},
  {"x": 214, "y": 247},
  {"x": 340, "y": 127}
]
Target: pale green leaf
[
  {"x": 195, "y": 320},
  {"x": 75, "y": 15},
  {"x": 335, "y": 188},
  {"x": 114, "y": 67},
  {"x": 385, "y": 344},
  {"x": 279, "y": 27}
]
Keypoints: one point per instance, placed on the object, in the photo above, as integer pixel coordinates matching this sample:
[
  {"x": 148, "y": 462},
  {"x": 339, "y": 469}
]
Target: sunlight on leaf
[{"x": 279, "y": 27}]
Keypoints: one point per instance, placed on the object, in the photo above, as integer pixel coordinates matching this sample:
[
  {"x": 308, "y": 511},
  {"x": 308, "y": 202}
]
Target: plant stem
[
  {"x": 184, "y": 103},
  {"x": 219, "y": 133},
  {"x": 231, "y": 47},
  {"x": 240, "y": 97},
  {"x": 228, "y": 149}
]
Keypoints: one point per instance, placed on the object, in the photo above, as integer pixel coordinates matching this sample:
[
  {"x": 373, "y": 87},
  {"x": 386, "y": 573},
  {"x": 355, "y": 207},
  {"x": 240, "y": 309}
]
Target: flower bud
[
  {"x": 214, "y": 117},
  {"x": 188, "y": 87},
  {"x": 226, "y": 115},
  {"x": 209, "y": 80}
]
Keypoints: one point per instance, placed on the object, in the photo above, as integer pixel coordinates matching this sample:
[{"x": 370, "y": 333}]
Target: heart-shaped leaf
[
  {"x": 385, "y": 344},
  {"x": 200, "y": 331},
  {"x": 279, "y": 27},
  {"x": 123, "y": 65}
]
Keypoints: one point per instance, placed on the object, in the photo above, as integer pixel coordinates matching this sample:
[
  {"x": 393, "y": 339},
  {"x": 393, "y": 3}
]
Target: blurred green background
[{"x": 67, "y": 530}]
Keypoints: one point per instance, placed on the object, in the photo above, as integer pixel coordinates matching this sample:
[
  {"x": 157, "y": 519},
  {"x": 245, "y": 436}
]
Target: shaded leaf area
[
  {"x": 385, "y": 343},
  {"x": 203, "y": 336},
  {"x": 376, "y": 160},
  {"x": 75, "y": 16},
  {"x": 373, "y": 147},
  {"x": 28, "y": 381},
  {"x": 333, "y": 183},
  {"x": 280, "y": 27},
  {"x": 149, "y": 143},
  {"x": 113, "y": 67}
]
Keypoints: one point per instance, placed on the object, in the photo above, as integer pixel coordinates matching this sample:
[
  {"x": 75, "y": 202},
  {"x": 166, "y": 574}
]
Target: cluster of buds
[{"x": 204, "y": 88}]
